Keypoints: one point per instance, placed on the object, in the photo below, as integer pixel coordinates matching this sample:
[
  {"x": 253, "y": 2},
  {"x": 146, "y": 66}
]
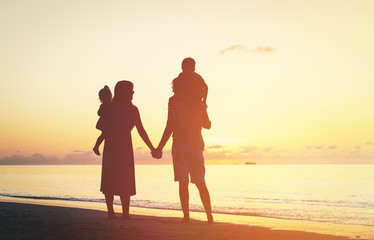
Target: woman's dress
[{"x": 118, "y": 173}]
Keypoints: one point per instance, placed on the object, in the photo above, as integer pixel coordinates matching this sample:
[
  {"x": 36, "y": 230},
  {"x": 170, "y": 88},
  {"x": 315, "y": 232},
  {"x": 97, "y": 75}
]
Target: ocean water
[{"x": 341, "y": 194}]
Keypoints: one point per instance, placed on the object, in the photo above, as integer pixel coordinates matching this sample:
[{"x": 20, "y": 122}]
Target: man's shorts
[{"x": 188, "y": 160}]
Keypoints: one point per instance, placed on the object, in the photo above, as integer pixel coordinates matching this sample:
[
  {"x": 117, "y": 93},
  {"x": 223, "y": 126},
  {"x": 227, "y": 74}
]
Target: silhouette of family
[{"x": 187, "y": 115}]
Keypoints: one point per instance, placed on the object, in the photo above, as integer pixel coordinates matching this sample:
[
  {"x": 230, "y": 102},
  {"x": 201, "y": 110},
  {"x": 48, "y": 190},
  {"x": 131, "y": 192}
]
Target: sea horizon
[
  {"x": 287, "y": 191},
  {"x": 317, "y": 198},
  {"x": 156, "y": 164}
]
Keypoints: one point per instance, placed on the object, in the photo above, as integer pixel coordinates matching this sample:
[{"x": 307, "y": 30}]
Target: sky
[{"x": 290, "y": 82}]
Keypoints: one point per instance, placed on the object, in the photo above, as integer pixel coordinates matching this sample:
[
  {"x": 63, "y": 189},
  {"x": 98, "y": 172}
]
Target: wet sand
[{"x": 21, "y": 220}]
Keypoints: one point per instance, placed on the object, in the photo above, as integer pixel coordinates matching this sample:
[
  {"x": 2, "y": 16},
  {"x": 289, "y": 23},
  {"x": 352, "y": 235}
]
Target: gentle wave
[
  {"x": 146, "y": 204},
  {"x": 170, "y": 206},
  {"x": 53, "y": 198},
  {"x": 330, "y": 203},
  {"x": 336, "y": 194},
  {"x": 134, "y": 203}
]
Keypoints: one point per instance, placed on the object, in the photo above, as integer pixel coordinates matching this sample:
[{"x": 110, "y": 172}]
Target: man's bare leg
[
  {"x": 205, "y": 199},
  {"x": 184, "y": 198}
]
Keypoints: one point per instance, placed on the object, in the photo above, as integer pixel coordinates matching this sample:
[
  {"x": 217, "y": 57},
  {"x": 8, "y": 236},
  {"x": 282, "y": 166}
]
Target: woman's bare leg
[
  {"x": 109, "y": 203},
  {"x": 125, "y": 201}
]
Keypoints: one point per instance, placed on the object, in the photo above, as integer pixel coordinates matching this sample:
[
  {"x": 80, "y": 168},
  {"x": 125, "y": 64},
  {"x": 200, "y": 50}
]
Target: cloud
[
  {"x": 82, "y": 157},
  {"x": 237, "y": 47},
  {"x": 75, "y": 158},
  {"x": 219, "y": 155},
  {"x": 247, "y": 153},
  {"x": 314, "y": 147},
  {"x": 78, "y": 151},
  {"x": 35, "y": 159},
  {"x": 244, "y": 49},
  {"x": 267, "y": 149},
  {"x": 143, "y": 156},
  {"x": 264, "y": 50},
  {"x": 318, "y": 153},
  {"x": 215, "y": 147},
  {"x": 249, "y": 149}
]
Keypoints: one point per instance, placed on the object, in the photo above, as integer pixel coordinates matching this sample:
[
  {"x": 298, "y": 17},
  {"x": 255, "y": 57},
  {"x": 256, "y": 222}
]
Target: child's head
[
  {"x": 188, "y": 65},
  {"x": 123, "y": 91},
  {"x": 105, "y": 95}
]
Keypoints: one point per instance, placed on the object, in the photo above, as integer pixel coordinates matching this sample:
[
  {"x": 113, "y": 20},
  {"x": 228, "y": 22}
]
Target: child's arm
[{"x": 143, "y": 134}]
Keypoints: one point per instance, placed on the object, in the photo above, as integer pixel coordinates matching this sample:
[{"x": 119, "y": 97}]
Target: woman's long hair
[{"x": 123, "y": 91}]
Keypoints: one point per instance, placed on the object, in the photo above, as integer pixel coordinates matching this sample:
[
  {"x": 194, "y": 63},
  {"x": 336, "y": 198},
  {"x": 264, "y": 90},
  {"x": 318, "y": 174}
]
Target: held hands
[{"x": 157, "y": 153}]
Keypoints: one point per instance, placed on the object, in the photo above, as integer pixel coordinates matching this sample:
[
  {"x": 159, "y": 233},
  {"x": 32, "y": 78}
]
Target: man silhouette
[{"x": 186, "y": 116}]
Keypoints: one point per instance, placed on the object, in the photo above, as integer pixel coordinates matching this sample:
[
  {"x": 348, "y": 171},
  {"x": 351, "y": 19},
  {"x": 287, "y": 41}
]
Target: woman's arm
[{"x": 143, "y": 134}]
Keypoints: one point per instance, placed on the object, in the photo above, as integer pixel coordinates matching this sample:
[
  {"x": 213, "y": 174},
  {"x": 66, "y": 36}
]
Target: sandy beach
[{"x": 23, "y": 220}]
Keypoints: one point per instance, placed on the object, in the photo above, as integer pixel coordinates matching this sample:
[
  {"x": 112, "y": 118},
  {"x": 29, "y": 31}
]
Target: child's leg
[
  {"x": 99, "y": 140},
  {"x": 125, "y": 201},
  {"x": 109, "y": 203}
]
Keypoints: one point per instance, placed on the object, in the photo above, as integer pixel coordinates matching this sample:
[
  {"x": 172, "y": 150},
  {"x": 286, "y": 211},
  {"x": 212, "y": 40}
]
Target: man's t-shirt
[{"x": 187, "y": 119}]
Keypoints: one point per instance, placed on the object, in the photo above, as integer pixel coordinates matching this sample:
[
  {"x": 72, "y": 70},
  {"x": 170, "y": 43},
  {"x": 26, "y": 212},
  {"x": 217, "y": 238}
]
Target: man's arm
[
  {"x": 167, "y": 132},
  {"x": 165, "y": 137},
  {"x": 206, "y": 123},
  {"x": 205, "y": 91}
]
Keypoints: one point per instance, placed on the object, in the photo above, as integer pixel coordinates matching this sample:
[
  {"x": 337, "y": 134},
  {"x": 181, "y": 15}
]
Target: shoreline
[{"x": 272, "y": 226}]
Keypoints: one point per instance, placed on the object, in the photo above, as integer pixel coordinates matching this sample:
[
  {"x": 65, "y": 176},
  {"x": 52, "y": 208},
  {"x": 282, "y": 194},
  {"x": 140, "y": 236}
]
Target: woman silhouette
[{"x": 118, "y": 174}]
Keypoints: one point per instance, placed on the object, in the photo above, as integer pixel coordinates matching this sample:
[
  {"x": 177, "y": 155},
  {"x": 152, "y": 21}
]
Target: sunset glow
[{"x": 289, "y": 81}]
